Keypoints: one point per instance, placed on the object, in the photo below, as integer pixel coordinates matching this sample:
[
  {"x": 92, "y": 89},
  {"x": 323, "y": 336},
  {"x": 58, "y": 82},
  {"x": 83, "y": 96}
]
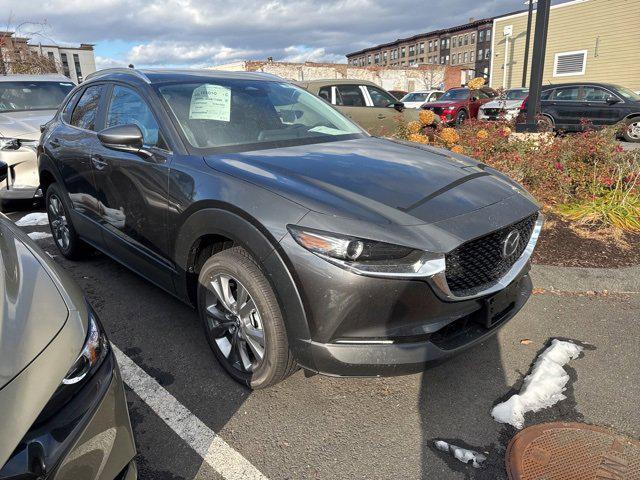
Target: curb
[{"x": 576, "y": 279}]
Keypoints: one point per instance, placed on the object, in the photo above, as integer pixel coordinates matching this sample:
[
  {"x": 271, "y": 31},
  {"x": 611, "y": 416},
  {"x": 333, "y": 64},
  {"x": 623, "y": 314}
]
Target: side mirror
[
  {"x": 399, "y": 106},
  {"x": 612, "y": 100},
  {"x": 3, "y": 171},
  {"x": 126, "y": 138},
  {"x": 474, "y": 99}
]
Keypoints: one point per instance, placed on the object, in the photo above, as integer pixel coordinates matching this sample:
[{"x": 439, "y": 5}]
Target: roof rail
[{"x": 130, "y": 71}]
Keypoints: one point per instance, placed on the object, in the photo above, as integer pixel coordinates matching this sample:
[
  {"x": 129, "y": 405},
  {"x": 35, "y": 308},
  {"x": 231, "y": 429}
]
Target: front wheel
[
  {"x": 461, "y": 117},
  {"x": 631, "y": 132},
  {"x": 64, "y": 233},
  {"x": 242, "y": 320}
]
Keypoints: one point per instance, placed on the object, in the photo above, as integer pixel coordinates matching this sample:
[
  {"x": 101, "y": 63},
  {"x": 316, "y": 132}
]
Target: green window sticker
[{"x": 211, "y": 102}]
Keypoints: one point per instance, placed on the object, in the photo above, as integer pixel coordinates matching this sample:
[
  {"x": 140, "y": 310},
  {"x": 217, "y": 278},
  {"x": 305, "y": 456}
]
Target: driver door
[
  {"x": 132, "y": 190},
  {"x": 350, "y": 100},
  {"x": 382, "y": 103}
]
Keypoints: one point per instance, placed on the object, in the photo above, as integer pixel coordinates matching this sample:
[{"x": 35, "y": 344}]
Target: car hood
[
  {"x": 371, "y": 179},
  {"x": 503, "y": 104},
  {"x": 24, "y": 125},
  {"x": 444, "y": 103},
  {"x": 32, "y": 310}
]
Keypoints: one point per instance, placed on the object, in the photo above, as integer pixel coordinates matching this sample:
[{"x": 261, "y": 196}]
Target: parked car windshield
[
  {"x": 252, "y": 114},
  {"x": 628, "y": 94},
  {"x": 21, "y": 96},
  {"x": 456, "y": 94},
  {"x": 519, "y": 94},
  {"x": 415, "y": 97}
]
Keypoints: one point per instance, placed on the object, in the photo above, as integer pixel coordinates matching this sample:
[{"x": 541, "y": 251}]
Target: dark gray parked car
[
  {"x": 63, "y": 414},
  {"x": 300, "y": 239}
]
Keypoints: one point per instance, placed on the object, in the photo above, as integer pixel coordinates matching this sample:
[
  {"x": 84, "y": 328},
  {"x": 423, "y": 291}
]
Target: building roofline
[
  {"x": 456, "y": 28},
  {"x": 508, "y": 16}
]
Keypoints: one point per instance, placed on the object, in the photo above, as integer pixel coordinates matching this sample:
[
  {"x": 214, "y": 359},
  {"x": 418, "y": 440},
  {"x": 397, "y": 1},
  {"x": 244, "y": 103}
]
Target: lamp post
[
  {"x": 528, "y": 40},
  {"x": 537, "y": 67}
]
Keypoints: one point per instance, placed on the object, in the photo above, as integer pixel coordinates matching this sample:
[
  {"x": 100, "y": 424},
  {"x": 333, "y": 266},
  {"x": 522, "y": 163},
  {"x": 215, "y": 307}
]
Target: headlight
[
  {"x": 368, "y": 257},
  {"x": 93, "y": 353},
  {"x": 9, "y": 144},
  {"x": 451, "y": 107}
]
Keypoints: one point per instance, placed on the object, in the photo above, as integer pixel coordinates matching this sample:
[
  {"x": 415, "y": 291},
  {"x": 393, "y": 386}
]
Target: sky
[{"x": 200, "y": 33}]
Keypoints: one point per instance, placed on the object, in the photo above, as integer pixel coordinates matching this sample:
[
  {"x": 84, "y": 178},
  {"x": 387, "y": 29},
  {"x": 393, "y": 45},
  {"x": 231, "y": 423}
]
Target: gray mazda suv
[{"x": 301, "y": 240}]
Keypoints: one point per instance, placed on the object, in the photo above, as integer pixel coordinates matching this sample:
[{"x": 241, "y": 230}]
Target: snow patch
[
  {"x": 462, "y": 454},
  {"x": 39, "y": 235},
  {"x": 33, "y": 220},
  {"x": 543, "y": 387}
]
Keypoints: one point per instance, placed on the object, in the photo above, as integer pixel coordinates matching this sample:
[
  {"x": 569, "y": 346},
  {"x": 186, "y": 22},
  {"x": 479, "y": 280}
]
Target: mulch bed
[{"x": 563, "y": 244}]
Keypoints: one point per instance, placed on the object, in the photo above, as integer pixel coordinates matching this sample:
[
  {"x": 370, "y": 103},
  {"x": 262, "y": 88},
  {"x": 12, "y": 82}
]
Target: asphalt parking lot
[{"x": 329, "y": 428}]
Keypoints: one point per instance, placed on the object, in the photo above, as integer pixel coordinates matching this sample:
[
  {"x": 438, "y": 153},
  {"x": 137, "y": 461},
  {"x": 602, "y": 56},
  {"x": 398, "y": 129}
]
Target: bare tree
[{"x": 15, "y": 55}]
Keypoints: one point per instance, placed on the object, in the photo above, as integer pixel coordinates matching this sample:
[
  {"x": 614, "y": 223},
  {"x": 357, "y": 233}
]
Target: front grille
[
  {"x": 436, "y": 110},
  {"x": 492, "y": 112},
  {"x": 478, "y": 264}
]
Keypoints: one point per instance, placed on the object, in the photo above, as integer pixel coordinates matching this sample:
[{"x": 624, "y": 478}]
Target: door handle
[
  {"x": 381, "y": 116},
  {"x": 54, "y": 142},
  {"x": 99, "y": 162}
]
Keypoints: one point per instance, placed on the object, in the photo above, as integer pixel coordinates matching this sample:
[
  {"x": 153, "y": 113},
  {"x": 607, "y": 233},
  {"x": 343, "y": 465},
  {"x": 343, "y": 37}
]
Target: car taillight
[{"x": 523, "y": 106}]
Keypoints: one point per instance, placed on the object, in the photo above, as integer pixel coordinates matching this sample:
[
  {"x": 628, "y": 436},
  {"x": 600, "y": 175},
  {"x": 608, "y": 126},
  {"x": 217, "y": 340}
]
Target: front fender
[{"x": 264, "y": 248}]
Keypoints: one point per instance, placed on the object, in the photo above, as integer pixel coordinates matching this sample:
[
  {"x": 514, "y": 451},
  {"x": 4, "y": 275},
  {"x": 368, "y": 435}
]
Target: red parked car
[{"x": 459, "y": 104}]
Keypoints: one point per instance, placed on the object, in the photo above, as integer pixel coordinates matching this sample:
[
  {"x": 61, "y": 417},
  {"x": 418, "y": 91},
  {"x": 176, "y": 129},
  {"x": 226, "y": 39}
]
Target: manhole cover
[{"x": 572, "y": 451}]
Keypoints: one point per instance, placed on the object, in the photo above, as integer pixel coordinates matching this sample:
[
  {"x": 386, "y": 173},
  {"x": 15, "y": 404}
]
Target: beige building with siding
[{"x": 588, "y": 41}]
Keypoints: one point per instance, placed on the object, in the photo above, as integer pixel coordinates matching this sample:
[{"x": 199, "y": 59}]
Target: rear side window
[
  {"x": 350, "y": 96},
  {"x": 86, "y": 111},
  {"x": 68, "y": 108},
  {"x": 325, "y": 93},
  {"x": 127, "y": 107},
  {"x": 566, "y": 94},
  {"x": 545, "y": 95}
]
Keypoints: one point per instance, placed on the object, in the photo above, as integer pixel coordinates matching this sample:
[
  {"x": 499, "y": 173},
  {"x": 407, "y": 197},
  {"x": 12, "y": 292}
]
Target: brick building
[{"x": 467, "y": 47}]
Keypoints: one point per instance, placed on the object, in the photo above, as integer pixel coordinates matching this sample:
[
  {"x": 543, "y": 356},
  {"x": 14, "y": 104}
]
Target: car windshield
[
  {"x": 21, "y": 96},
  {"x": 246, "y": 114},
  {"x": 519, "y": 94},
  {"x": 628, "y": 94},
  {"x": 415, "y": 97},
  {"x": 456, "y": 94}
]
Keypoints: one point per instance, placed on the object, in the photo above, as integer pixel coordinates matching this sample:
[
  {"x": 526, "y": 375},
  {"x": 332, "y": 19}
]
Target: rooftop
[{"x": 181, "y": 75}]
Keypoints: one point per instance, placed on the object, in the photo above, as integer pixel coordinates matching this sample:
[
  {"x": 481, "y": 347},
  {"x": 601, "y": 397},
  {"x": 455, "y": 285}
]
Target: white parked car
[
  {"x": 420, "y": 97},
  {"x": 505, "y": 107},
  {"x": 26, "y": 103}
]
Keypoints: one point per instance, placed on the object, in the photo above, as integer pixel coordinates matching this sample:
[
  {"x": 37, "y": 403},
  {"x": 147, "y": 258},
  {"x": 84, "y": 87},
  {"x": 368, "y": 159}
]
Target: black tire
[
  {"x": 631, "y": 131},
  {"x": 545, "y": 124},
  {"x": 74, "y": 248},
  {"x": 461, "y": 117},
  {"x": 278, "y": 362}
]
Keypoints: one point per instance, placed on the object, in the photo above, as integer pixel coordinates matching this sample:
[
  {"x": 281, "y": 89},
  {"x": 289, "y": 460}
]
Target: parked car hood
[
  {"x": 372, "y": 179},
  {"x": 444, "y": 103},
  {"x": 32, "y": 310},
  {"x": 24, "y": 125},
  {"x": 503, "y": 104}
]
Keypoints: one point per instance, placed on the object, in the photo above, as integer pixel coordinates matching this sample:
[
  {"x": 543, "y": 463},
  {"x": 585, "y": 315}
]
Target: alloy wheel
[
  {"x": 633, "y": 130},
  {"x": 235, "y": 323},
  {"x": 59, "y": 224}
]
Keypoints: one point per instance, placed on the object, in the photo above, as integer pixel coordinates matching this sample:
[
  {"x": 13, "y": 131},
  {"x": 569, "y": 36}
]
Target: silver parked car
[
  {"x": 26, "y": 103},
  {"x": 505, "y": 107},
  {"x": 63, "y": 413}
]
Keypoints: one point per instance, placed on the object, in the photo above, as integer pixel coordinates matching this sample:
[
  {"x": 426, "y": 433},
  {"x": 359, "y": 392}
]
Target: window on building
[
  {"x": 448, "y": 43},
  {"x": 76, "y": 63},
  {"x": 422, "y": 47},
  {"x": 65, "y": 65},
  {"x": 459, "y": 59},
  {"x": 472, "y": 56},
  {"x": 50, "y": 56},
  {"x": 376, "y": 58},
  {"x": 473, "y": 38},
  {"x": 368, "y": 59},
  {"x": 403, "y": 52},
  {"x": 455, "y": 42},
  {"x": 85, "y": 113},
  {"x": 570, "y": 63},
  {"x": 480, "y": 57},
  {"x": 487, "y": 54},
  {"x": 442, "y": 43},
  {"x": 465, "y": 58},
  {"x": 488, "y": 35},
  {"x": 481, "y": 36},
  {"x": 447, "y": 60},
  {"x": 466, "y": 39}
]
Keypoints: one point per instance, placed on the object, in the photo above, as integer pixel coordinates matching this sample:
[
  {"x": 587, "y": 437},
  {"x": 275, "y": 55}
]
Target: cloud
[{"x": 208, "y": 32}]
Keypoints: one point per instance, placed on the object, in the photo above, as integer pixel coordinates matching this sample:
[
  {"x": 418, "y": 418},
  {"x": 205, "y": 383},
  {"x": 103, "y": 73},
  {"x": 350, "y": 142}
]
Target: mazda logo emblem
[{"x": 510, "y": 243}]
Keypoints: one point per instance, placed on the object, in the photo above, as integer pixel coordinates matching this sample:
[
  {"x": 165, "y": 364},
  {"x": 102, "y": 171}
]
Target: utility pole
[
  {"x": 528, "y": 41},
  {"x": 537, "y": 67}
]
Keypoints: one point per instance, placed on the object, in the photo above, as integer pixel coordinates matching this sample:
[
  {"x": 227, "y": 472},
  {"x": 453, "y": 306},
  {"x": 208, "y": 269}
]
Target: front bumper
[
  {"x": 22, "y": 181},
  {"x": 505, "y": 115},
  {"x": 89, "y": 438}
]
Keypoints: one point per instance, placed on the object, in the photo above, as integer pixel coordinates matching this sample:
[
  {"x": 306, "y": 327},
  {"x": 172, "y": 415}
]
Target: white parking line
[{"x": 214, "y": 450}]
